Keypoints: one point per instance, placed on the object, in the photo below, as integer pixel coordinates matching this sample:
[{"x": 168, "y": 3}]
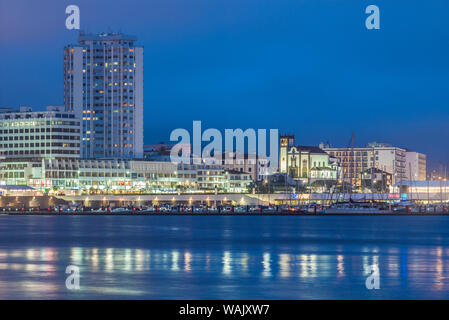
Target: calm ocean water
[{"x": 224, "y": 257}]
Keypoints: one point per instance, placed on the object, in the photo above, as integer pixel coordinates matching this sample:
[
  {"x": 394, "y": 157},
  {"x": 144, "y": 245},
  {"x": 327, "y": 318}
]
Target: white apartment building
[
  {"x": 416, "y": 164},
  {"x": 28, "y": 135},
  {"x": 103, "y": 86},
  {"x": 381, "y": 156}
]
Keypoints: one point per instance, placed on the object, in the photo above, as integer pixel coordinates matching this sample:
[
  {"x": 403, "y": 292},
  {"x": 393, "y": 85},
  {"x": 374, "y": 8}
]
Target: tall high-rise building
[{"x": 103, "y": 86}]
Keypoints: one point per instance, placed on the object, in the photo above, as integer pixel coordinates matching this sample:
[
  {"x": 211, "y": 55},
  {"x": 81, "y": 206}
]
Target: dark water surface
[{"x": 224, "y": 257}]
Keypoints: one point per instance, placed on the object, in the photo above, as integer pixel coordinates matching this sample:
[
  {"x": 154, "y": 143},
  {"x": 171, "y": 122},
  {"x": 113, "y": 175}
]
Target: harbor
[
  {"x": 222, "y": 159},
  {"x": 227, "y": 204}
]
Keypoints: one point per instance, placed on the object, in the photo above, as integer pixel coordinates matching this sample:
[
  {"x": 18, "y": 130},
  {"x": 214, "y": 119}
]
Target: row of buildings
[
  {"x": 94, "y": 143},
  {"x": 43, "y": 149},
  {"x": 350, "y": 164}
]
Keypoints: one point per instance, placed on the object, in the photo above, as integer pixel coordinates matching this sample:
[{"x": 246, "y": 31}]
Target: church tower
[{"x": 285, "y": 143}]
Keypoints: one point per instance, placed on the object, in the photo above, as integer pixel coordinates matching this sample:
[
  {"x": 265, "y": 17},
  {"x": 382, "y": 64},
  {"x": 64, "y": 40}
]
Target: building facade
[
  {"x": 305, "y": 163},
  {"x": 110, "y": 176},
  {"x": 376, "y": 180},
  {"x": 416, "y": 164},
  {"x": 252, "y": 164},
  {"x": 103, "y": 86},
  {"x": 29, "y": 135},
  {"x": 429, "y": 191},
  {"x": 237, "y": 181},
  {"x": 157, "y": 152},
  {"x": 354, "y": 161}
]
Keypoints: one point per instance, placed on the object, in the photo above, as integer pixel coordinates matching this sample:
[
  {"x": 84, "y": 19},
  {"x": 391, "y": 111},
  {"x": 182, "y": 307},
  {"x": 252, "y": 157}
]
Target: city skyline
[
  {"x": 294, "y": 62},
  {"x": 223, "y": 158}
]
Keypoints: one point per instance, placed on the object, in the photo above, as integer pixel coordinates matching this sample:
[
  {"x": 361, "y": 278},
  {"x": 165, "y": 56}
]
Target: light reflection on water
[{"x": 192, "y": 258}]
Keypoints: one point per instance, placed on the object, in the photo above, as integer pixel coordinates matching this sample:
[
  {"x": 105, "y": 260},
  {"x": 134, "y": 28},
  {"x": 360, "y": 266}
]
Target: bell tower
[{"x": 285, "y": 143}]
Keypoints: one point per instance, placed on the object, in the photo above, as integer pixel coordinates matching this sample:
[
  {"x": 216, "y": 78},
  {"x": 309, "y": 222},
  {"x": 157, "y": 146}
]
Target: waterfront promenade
[
  {"x": 222, "y": 211},
  {"x": 254, "y": 199},
  {"x": 282, "y": 203}
]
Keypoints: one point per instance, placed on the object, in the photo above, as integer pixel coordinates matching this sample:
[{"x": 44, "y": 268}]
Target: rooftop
[
  {"x": 378, "y": 145},
  {"x": 311, "y": 149},
  {"x": 22, "y": 109},
  {"x": 28, "y": 113},
  {"x": 110, "y": 36},
  {"x": 16, "y": 187},
  {"x": 425, "y": 184}
]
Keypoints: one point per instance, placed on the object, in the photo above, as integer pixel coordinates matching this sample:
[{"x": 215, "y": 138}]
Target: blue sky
[{"x": 308, "y": 67}]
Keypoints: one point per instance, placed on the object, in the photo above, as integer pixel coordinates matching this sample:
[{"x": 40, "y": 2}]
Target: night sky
[{"x": 308, "y": 67}]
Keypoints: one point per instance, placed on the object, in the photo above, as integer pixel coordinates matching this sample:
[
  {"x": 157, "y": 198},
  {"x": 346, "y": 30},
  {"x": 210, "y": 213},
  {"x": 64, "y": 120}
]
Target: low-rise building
[
  {"x": 120, "y": 176},
  {"x": 157, "y": 152},
  {"x": 376, "y": 180},
  {"x": 237, "y": 182},
  {"x": 253, "y": 164},
  {"x": 436, "y": 191},
  {"x": 18, "y": 191},
  {"x": 31, "y": 135}
]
